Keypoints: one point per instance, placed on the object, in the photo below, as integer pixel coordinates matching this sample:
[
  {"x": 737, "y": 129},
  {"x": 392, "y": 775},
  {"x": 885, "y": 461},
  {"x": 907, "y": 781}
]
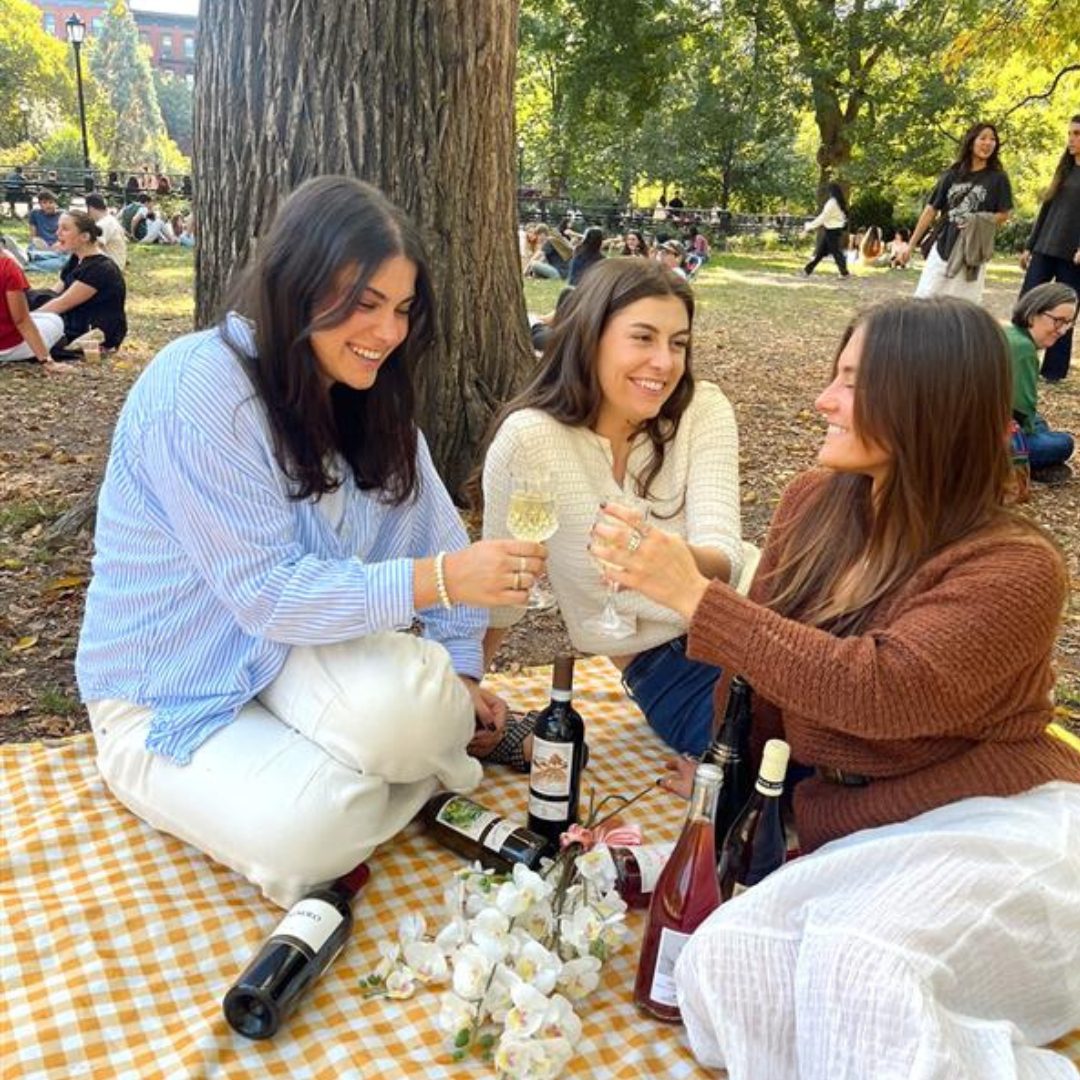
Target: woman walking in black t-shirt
[
  {"x": 93, "y": 292},
  {"x": 1052, "y": 252},
  {"x": 974, "y": 197}
]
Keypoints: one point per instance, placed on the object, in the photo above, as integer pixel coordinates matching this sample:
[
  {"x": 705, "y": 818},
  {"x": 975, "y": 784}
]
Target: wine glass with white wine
[
  {"x": 609, "y": 621},
  {"x": 532, "y": 517}
]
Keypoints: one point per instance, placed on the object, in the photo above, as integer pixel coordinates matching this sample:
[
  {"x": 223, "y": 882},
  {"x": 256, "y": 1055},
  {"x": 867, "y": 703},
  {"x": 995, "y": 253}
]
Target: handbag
[
  {"x": 926, "y": 244},
  {"x": 1018, "y": 488}
]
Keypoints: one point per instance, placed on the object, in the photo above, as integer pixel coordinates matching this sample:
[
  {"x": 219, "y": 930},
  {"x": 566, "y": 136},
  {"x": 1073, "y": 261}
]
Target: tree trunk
[
  {"x": 834, "y": 127},
  {"x": 413, "y": 96}
]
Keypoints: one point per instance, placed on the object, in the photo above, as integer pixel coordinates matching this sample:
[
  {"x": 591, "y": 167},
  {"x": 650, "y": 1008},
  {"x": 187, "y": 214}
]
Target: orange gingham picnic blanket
[{"x": 117, "y": 942}]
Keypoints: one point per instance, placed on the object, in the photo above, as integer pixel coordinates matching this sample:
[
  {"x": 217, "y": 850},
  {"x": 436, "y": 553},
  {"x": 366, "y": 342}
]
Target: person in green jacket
[{"x": 1041, "y": 316}]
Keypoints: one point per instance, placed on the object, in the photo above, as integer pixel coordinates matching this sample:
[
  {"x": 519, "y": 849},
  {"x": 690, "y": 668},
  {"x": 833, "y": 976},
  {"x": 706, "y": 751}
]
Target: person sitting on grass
[
  {"x": 586, "y": 255},
  {"x": 1040, "y": 318},
  {"x": 25, "y": 335},
  {"x": 44, "y": 222},
  {"x": 900, "y": 633},
  {"x": 91, "y": 293},
  {"x": 615, "y": 413},
  {"x": 270, "y": 527},
  {"x": 113, "y": 241}
]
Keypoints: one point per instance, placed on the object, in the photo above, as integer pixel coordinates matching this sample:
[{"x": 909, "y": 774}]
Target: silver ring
[{"x": 634, "y": 542}]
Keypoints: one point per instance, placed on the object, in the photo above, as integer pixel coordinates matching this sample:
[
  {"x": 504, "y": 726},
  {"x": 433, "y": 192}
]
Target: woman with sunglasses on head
[
  {"x": 270, "y": 527},
  {"x": 615, "y": 414},
  {"x": 1041, "y": 318},
  {"x": 899, "y": 634},
  {"x": 972, "y": 199},
  {"x": 1052, "y": 252}
]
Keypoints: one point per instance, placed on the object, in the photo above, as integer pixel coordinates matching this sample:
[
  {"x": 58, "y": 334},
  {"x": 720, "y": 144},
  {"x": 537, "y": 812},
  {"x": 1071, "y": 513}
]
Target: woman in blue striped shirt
[{"x": 269, "y": 524}]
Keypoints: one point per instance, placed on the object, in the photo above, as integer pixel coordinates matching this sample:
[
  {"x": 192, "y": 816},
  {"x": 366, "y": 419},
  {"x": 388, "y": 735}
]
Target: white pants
[
  {"x": 333, "y": 758},
  {"x": 50, "y": 327},
  {"x": 942, "y": 948},
  {"x": 933, "y": 282}
]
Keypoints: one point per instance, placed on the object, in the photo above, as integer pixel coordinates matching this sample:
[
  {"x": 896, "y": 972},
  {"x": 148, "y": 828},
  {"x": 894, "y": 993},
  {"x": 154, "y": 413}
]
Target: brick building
[{"x": 168, "y": 27}]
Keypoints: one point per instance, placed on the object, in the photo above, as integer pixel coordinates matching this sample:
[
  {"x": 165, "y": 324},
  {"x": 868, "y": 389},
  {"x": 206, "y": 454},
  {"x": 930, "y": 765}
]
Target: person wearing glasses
[{"x": 1040, "y": 319}]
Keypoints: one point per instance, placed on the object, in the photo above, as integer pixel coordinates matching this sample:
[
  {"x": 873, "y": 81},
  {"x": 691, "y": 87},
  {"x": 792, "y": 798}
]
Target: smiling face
[
  {"x": 844, "y": 449},
  {"x": 353, "y": 351},
  {"x": 982, "y": 149},
  {"x": 640, "y": 358},
  {"x": 1046, "y": 327}
]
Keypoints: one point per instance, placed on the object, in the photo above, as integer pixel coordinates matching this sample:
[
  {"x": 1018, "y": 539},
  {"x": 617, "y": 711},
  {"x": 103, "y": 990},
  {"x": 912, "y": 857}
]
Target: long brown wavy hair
[
  {"x": 1066, "y": 164},
  {"x": 934, "y": 388},
  {"x": 567, "y": 386}
]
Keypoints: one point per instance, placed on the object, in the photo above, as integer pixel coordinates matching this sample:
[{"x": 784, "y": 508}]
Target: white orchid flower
[
  {"x": 472, "y": 968},
  {"x": 530, "y": 1008},
  {"x": 490, "y": 930},
  {"x": 532, "y": 1059},
  {"x": 455, "y": 1014},
  {"x": 390, "y": 953},
  {"x": 411, "y": 928},
  {"x": 611, "y": 903},
  {"x": 426, "y": 961},
  {"x": 598, "y": 868},
  {"x": 561, "y": 1021},
  {"x": 579, "y": 977},
  {"x": 498, "y": 1000},
  {"x": 537, "y": 921},
  {"x": 538, "y": 966},
  {"x": 400, "y": 984},
  {"x": 580, "y": 928}
]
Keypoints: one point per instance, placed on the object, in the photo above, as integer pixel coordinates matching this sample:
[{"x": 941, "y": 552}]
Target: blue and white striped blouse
[{"x": 206, "y": 572}]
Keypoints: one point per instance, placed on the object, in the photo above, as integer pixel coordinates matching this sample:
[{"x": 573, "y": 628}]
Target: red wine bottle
[
  {"x": 755, "y": 844},
  {"x": 476, "y": 832},
  {"x": 558, "y": 757},
  {"x": 730, "y": 750},
  {"x": 637, "y": 870},
  {"x": 302, "y": 947},
  {"x": 685, "y": 894}
]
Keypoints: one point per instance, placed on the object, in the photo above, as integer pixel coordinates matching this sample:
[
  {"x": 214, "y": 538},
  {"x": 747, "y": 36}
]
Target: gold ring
[
  {"x": 634, "y": 542},
  {"x": 517, "y": 581},
  {"x": 521, "y": 564}
]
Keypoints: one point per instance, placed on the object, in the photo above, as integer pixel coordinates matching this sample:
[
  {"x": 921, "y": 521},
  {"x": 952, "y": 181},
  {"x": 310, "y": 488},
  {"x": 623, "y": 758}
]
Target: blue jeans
[
  {"x": 675, "y": 693},
  {"x": 46, "y": 261},
  {"x": 1046, "y": 447}
]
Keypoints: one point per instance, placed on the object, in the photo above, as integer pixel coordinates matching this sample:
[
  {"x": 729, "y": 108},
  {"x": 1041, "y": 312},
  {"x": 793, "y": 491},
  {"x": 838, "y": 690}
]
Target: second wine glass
[{"x": 610, "y": 622}]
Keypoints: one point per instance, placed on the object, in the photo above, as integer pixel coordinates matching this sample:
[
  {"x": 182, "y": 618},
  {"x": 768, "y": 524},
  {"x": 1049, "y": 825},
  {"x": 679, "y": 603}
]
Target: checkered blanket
[{"x": 117, "y": 943}]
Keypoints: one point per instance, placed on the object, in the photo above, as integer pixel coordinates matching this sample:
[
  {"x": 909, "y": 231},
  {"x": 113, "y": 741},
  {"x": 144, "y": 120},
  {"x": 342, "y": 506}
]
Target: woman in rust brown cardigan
[{"x": 899, "y": 634}]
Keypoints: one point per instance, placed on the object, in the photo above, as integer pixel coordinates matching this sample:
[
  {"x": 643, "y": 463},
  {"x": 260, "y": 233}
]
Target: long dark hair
[
  {"x": 835, "y": 191},
  {"x": 1065, "y": 165},
  {"x": 567, "y": 386},
  {"x": 965, "y": 155},
  {"x": 308, "y": 274},
  {"x": 934, "y": 388}
]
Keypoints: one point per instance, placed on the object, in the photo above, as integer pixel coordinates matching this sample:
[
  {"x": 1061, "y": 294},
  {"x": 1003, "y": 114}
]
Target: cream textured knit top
[{"x": 695, "y": 494}]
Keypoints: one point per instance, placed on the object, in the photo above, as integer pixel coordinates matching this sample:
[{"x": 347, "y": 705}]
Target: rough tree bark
[{"x": 414, "y": 96}]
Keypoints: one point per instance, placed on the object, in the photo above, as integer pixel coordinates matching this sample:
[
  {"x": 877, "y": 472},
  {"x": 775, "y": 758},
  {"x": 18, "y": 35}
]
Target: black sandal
[{"x": 510, "y": 749}]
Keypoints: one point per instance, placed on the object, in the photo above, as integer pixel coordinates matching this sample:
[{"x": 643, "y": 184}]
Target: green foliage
[
  {"x": 872, "y": 207},
  {"x": 131, "y": 129},
  {"x": 63, "y": 149},
  {"x": 34, "y": 65},
  {"x": 177, "y": 107}
]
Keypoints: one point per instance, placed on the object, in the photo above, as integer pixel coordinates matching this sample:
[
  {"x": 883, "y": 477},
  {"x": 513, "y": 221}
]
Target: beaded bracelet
[{"x": 440, "y": 580}]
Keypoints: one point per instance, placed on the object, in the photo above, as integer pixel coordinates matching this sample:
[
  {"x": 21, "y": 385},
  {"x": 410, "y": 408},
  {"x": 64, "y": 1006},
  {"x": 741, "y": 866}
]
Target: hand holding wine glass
[
  {"x": 610, "y": 622},
  {"x": 532, "y": 516}
]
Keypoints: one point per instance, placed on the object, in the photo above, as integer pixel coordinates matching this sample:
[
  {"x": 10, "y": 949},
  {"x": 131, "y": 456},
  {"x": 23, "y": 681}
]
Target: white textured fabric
[
  {"x": 695, "y": 494},
  {"x": 934, "y": 282},
  {"x": 942, "y": 948},
  {"x": 334, "y": 757},
  {"x": 831, "y": 217},
  {"x": 113, "y": 239}
]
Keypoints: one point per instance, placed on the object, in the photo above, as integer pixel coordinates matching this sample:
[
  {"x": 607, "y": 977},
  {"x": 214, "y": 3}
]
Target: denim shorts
[{"x": 675, "y": 693}]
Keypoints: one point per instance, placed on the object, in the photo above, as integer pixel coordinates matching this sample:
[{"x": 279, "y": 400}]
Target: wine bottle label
[
  {"x": 498, "y": 834},
  {"x": 466, "y": 817},
  {"x": 551, "y": 766},
  {"x": 559, "y": 810},
  {"x": 651, "y": 859},
  {"x": 663, "y": 982},
  {"x": 310, "y": 921}
]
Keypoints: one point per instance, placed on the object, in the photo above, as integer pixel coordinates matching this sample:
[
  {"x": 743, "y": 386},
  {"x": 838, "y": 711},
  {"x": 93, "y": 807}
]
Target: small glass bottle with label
[
  {"x": 755, "y": 844},
  {"x": 637, "y": 870},
  {"x": 302, "y": 947},
  {"x": 558, "y": 758},
  {"x": 685, "y": 894},
  {"x": 478, "y": 833}
]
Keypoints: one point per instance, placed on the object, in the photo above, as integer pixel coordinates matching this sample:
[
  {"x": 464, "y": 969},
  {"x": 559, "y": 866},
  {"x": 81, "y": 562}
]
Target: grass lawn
[{"x": 763, "y": 332}]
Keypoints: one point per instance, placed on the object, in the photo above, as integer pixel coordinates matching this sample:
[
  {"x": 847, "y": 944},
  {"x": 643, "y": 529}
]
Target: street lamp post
[
  {"x": 24, "y": 108},
  {"x": 76, "y": 34}
]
